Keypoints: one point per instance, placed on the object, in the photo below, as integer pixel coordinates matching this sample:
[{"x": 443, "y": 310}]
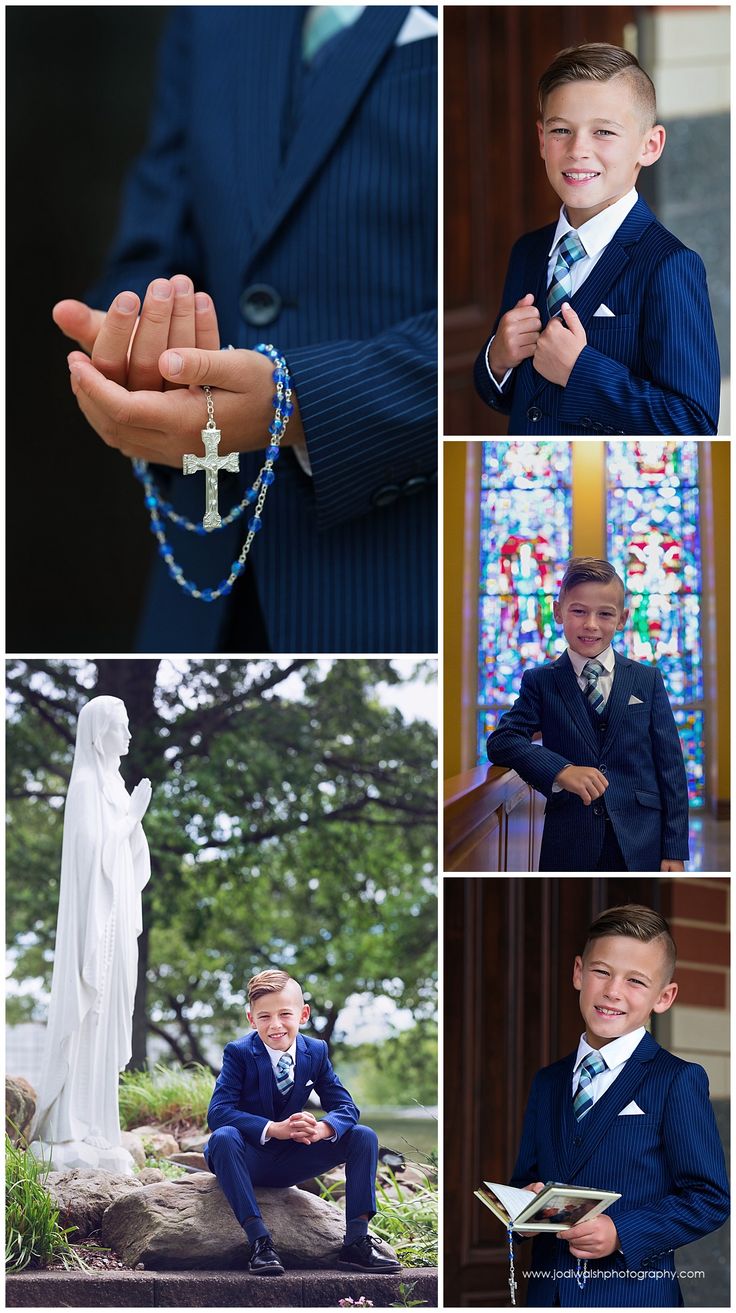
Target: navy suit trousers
[{"x": 240, "y": 1167}]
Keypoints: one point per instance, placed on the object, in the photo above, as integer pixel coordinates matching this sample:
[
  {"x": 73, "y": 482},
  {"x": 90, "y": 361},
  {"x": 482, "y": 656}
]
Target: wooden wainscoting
[{"x": 493, "y": 822}]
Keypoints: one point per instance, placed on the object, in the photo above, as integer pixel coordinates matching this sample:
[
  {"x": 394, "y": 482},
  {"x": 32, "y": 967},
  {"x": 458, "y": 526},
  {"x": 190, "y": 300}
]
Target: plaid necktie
[
  {"x": 591, "y": 1066},
  {"x": 560, "y": 289},
  {"x": 282, "y": 1071},
  {"x": 592, "y": 671}
]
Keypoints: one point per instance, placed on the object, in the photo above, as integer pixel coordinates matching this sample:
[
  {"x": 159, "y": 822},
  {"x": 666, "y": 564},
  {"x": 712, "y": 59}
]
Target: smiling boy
[
  {"x": 610, "y": 763},
  {"x": 622, "y": 1114},
  {"x": 605, "y": 324},
  {"x": 263, "y": 1136}
]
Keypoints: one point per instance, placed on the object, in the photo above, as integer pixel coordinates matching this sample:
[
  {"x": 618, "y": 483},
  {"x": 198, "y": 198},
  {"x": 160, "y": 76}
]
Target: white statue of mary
[{"x": 104, "y": 866}]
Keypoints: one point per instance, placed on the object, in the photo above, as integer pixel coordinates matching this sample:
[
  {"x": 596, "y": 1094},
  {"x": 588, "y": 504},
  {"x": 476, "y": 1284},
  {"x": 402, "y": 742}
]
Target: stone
[
  {"x": 83, "y": 1196},
  {"x": 410, "y": 1180},
  {"x": 134, "y": 1145},
  {"x": 197, "y": 1160},
  {"x": 20, "y": 1107},
  {"x": 70, "y": 1155},
  {"x": 194, "y": 1143},
  {"x": 189, "y": 1223},
  {"x": 157, "y": 1143},
  {"x": 150, "y": 1176}
]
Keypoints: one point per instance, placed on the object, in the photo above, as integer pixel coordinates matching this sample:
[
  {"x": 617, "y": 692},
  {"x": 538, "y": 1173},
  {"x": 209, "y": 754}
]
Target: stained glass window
[
  {"x": 525, "y": 530},
  {"x": 654, "y": 543}
]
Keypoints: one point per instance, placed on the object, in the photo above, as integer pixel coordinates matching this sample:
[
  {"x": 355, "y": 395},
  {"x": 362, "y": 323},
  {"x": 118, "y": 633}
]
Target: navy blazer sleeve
[
  {"x": 223, "y": 1109},
  {"x": 681, "y": 393},
  {"x": 368, "y": 404},
  {"x": 698, "y": 1201},
  {"x": 340, "y": 1111},
  {"x": 510, "y": 744},
  {"x": 671, "y": 775},
  {"x": 484, "y": 385}
]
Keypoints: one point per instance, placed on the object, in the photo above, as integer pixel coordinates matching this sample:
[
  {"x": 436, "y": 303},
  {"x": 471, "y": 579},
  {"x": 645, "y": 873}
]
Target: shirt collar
[
  {"x": 598, "y": 231},
  {"x": 616, "y": 1052},
  {"x": 275, "y": 1054},
  {"x": 607, "y": 659}
]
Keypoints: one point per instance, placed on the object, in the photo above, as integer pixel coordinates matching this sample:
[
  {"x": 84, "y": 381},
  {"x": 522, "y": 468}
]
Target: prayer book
[{"x": 554, "y": 1209}]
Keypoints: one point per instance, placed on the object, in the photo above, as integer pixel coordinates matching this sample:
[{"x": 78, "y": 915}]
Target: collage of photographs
[{"x": 367, "y": 679}]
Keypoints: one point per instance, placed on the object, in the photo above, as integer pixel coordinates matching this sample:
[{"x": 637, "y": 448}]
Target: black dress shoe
[
  {"x": 360, "y": 1256},
  {"x": 264, "y": 1261}
]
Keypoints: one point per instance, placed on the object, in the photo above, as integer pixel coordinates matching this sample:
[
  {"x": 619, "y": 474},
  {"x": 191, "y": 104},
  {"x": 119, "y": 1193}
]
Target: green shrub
[
  {"x": 165, "y": 1094},
  {"x": 33, "y": 1237},
  {"x": 409, "y": 1222}
]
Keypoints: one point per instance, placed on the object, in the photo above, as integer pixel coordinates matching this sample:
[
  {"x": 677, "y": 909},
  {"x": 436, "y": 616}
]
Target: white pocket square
[
  {"x": 632, "y": 1110},
  {"x": 603, "y": 312},
  {"x": 418, "y": 24},
  {"x": 635, "y": 702}
]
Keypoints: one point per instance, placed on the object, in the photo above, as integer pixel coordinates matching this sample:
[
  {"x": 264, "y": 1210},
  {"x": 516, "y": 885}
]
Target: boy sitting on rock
[{"x": 262, "y": 1136}]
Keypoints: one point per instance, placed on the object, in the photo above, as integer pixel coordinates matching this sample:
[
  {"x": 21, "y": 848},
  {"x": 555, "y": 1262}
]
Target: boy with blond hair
[
  {"x": 610, "y": 763},
  {"x": 622, "y": 1114},
  {"x": 605, "y": 324},
  {"x": 262, "y": 1134}
]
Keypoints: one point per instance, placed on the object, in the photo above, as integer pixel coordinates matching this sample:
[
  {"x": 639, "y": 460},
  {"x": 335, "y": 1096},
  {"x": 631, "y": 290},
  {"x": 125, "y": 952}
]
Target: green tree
[{"x": 287, "y": 827}]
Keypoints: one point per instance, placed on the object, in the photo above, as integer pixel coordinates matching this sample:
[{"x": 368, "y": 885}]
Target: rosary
[
  {"x": 211, "y": 464},
  {"x": 581, "y": 1270}
]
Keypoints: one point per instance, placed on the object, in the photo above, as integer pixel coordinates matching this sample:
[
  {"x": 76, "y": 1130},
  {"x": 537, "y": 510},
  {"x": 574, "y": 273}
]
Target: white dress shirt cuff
[
  {"x": 265, "y": 1137},
  {"x": 494, "y": 380}
]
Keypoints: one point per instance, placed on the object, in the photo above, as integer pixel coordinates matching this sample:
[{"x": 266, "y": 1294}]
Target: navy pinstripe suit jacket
[
  {"x": 653, "y": 368},
  {"x": 321, "y": 185},
  {"x": 244, "y": 1091},
  {"x": 640, "y": 755},
  {"x": 667, "y": 1165}
]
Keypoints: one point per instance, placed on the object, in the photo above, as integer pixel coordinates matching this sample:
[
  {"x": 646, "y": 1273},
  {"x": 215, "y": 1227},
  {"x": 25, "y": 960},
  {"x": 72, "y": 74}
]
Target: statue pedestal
[{"x": 67, "y": 1155}]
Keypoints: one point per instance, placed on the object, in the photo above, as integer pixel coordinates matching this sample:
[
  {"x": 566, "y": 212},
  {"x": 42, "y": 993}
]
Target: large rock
[
  {"x": 134, "y": 1145},
  {"x": 197, "y": 1160},
  {"x": 83, "y": 1196},
  {"x": 189, "y": 1224},
  {"x": 20, "y": 1107},
  {"x": 194, "y": 1143},
  {"x": 156, "y": 1142}
]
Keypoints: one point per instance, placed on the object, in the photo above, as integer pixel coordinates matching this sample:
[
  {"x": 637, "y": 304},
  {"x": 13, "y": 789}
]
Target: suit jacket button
[
  {"x": 534, "y": 413},
  {"x": 260, "y": 304},
  {"x": 602, "y": 768},
  {"x": 414, "y": 485},
  {"x": 386, "y": 495},
  {"x": 586, "y": 423}
]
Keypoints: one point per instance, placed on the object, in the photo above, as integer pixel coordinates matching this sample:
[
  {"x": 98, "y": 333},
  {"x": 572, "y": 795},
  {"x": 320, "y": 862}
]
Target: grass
[
  {"x": 33, "y": 1237},
  {"x": 165, "y": 1094},
  {"x": 409, "y": 1221}
]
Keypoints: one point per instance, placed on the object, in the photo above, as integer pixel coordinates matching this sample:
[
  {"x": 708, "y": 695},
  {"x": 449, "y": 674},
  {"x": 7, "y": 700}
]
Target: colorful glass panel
[
  {"x": 654, "y": 544},
  {"x": 525, "y": 531}
]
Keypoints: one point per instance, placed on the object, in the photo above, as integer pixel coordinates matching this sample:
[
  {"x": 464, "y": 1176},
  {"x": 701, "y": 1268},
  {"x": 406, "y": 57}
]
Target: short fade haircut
[
  {"x": 589, "y": 570},
  {"x": 268, "y": 982},
  {"x": 636, "y": 922},
  {"x": 599, "y": 62}
]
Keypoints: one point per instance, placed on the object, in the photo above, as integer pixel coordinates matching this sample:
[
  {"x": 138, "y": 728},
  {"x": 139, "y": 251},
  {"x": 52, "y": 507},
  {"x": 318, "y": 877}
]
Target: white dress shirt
[
  {"x": 607, "y": 659},
  {"x": 615, "y": 1055},
  {"x": 595, "y": 236},
  {"x": 276, "y": 1055}
]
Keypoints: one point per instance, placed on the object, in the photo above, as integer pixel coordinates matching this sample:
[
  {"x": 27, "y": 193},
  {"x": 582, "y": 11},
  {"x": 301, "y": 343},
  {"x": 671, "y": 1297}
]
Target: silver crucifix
[{"x": 211, "y": 463}]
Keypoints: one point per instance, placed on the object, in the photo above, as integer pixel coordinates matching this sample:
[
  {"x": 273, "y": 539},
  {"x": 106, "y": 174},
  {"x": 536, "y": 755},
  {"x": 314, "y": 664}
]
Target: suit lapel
[
  {"x": 623, "y": 682},
  {"x": 594, "y": 1125},
  {"x": 266, "y": 1083},
  {"x": 332, "y": 95},
  {"x": 569, "y": 688},
  {"x": 302, "y": 1073}
]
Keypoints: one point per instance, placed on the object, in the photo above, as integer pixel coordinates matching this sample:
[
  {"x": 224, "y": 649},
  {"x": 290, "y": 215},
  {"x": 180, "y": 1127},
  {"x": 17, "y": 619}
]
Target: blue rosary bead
[
  {"x": 200, "y": 529},
  {"x": 251, "y": 495},
  {"x": 237, "y": 567},
  {"x": 288, "y": 407},
  {"x": 254, "y": 524},
  {"x": 268, "y": 476},
  {"x": 152, "y": 503},
  {"x": 275, "y": 428},
  {"x": 206, "y": 594},
  {"x": 273, "y": 453}
]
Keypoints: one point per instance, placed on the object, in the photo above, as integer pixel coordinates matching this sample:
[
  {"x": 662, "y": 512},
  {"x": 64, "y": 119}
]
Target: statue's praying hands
[{"x": 138, "y": 377}]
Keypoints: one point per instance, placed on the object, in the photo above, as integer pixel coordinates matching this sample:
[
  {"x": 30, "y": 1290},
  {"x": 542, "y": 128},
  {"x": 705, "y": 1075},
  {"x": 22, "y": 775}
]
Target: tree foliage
[{"x": 293, "y": 823}]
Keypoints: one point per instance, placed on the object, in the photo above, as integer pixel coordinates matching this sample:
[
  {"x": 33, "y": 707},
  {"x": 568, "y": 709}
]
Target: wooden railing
[{"x": 492, "y": 821}]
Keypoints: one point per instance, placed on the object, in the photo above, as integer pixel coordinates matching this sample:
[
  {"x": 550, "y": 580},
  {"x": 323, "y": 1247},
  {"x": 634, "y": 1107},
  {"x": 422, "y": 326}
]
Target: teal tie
[
  {"x": 560, "y": 288},
  {"x": 590, "y": 1067},
  {"x": 284, "y": 1078},
  {"x": 323, "y": 22},
  {"x": 592, "y": 671}
]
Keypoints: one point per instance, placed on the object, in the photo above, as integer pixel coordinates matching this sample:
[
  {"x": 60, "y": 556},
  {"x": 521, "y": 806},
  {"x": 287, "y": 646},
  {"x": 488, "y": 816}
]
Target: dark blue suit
[
  {"x": 320, "y": 184},
  {"x": 639, "y": 753},
  {"x": 246, "y": 1098},
  {"x": 653, "y": 369},
  {"x": 666, "y": 1164}
]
